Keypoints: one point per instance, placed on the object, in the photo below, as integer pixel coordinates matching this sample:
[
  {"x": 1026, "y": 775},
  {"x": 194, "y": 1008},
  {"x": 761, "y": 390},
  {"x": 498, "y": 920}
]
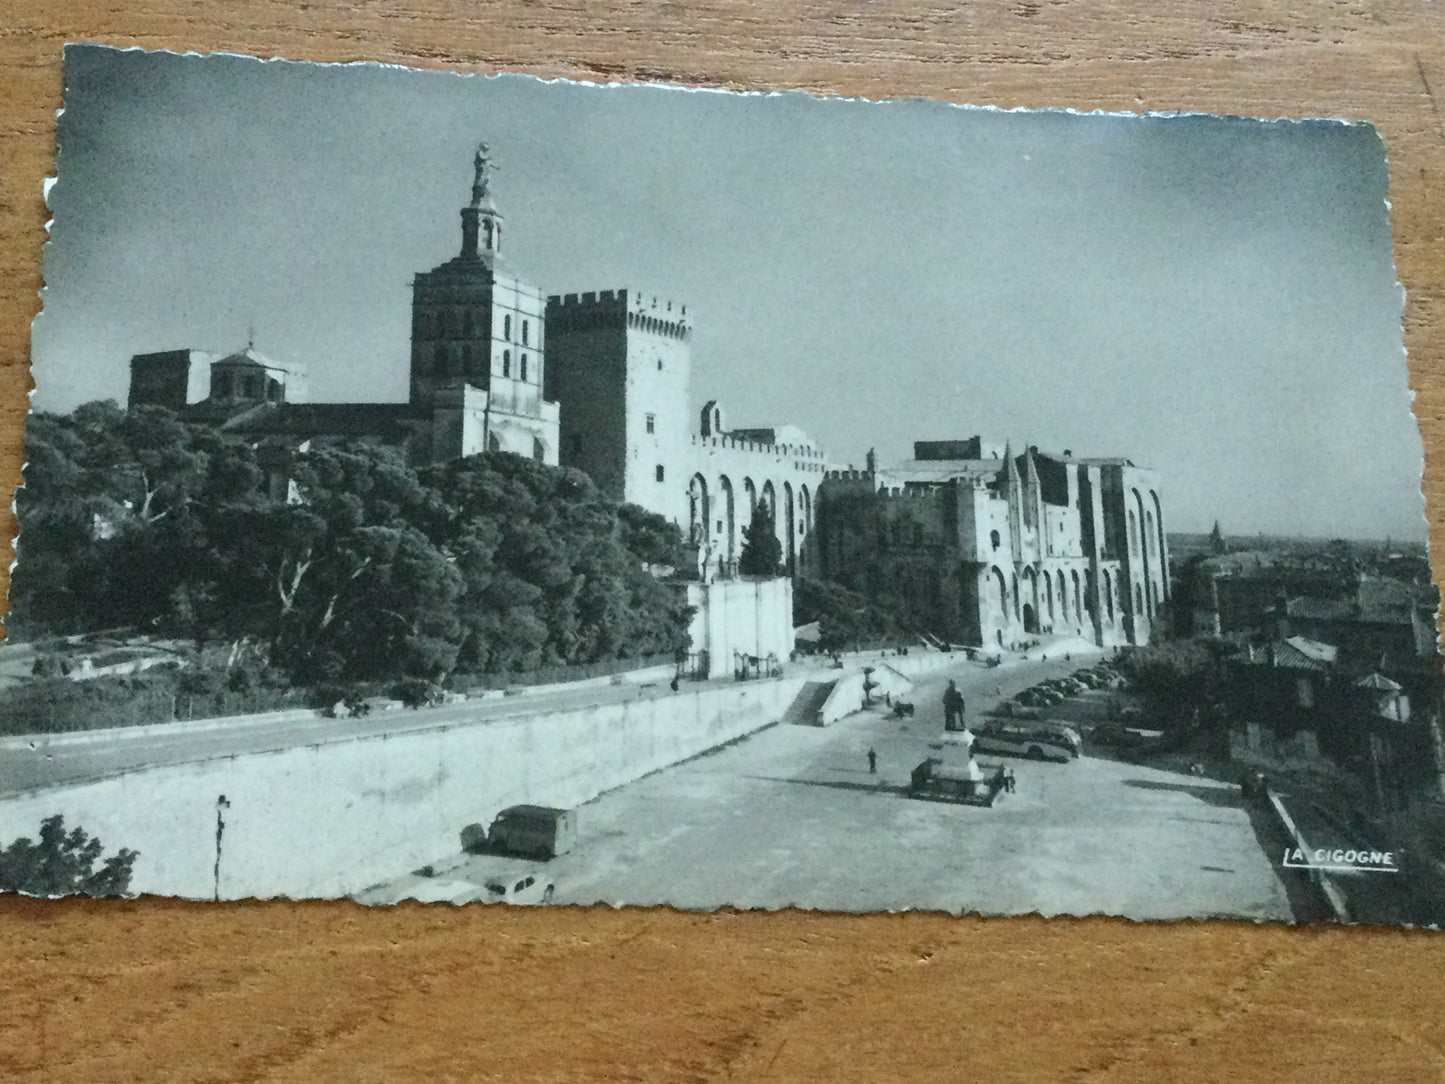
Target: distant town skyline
[{"x": 1211, "y": 297}]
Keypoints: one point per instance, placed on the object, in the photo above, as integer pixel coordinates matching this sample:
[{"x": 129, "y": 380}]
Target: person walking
[
  {"x": 1008, "y": 781},
  {"x": 872, "y": 762}
]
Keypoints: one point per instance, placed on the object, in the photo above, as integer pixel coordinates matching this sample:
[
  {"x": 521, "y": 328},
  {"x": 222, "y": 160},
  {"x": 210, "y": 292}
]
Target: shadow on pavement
[
  {"x": 1225, "y": 797},
  {"x": 1306, "y": 903},
  {"x": 840, "y": 784}
]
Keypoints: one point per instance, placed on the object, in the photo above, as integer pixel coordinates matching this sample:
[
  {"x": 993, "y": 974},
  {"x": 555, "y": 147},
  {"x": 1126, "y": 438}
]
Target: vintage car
[
  {"x": 1034, "y": 740},
  {"x": 525, "y": 889}
]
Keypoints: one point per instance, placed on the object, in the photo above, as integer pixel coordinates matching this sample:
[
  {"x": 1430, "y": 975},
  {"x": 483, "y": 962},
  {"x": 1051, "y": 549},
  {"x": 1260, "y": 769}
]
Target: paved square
[{"x": 791, "y": 816}]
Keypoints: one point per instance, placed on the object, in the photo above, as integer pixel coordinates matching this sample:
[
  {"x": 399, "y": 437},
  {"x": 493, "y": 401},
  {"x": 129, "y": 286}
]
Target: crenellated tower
[{"x": 621, "y": 366}]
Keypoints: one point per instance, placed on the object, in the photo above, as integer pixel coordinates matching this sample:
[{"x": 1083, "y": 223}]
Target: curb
[{"x": 1333, "y": 896}]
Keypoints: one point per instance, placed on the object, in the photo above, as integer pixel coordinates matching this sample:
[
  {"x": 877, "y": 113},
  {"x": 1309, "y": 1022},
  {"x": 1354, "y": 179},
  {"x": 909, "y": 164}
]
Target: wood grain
[{"x": 160, "y": 990}]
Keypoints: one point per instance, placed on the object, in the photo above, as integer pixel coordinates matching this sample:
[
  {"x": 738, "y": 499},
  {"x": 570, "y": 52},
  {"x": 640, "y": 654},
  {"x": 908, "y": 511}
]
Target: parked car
[
  {"x": 1012, "y": 709},
  {"x": 526, "y": 890},
  {"x": 1037, "y": 741},
  {"x": 1116, "y": 736},
  {"x": 536, "y": 830},
  {"x": 1063, "y": 687}
]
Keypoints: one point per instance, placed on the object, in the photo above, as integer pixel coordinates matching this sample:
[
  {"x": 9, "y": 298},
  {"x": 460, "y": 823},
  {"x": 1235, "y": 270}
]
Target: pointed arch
[
  {"x": 1163, "y": 544},
  {"x": 790, "y": 530},
  {"x": 998, "y": 595},
  {"x": 698, "y": 512},
  {"x": 1029, "y": 610},
  {"x": 728, "y": 516},
  {"x": 1147, "y": 562}
]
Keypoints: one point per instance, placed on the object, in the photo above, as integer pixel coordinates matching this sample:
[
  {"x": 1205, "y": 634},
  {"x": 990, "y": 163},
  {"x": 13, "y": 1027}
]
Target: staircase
[{"x": 803, "y": 711}]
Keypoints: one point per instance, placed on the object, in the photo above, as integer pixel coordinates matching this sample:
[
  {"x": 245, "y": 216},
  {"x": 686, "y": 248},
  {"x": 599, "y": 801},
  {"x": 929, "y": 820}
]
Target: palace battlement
[
  {"x": 747, "y": 444},
  {"x": 905, "y": 493},
  {"x": 641, "y": 312}
]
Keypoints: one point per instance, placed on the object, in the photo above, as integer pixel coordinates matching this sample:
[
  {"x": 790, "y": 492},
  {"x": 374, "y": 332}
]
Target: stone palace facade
[
  {"x": 599, "y": 381},
  {"x": 992, "y": 548}
]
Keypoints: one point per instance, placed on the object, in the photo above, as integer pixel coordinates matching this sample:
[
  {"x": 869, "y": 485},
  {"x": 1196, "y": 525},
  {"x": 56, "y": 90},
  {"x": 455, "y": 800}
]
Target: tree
[
  {"x": 371, "y": 571},
  {"x": 552, "y": 572},
  {"x": 63, "y": 863},
  {"x": 116, "y": 516},
  {"x": 1181, "y": 682},
  {"x": 1217, "y": 545},
  {"x": 762, "y": 553},
  {"x": 844, "y": 617}
]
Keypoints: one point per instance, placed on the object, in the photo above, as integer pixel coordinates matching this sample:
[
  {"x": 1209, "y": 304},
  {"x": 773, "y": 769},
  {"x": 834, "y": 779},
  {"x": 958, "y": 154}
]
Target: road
[
  {"x": 792, "y": 816},
  {"x": 43, "y": 761},
  {"x": 39, "y": 762}
]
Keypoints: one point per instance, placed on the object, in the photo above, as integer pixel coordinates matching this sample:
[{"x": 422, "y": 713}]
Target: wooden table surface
[{"x": 158, "y": 990}]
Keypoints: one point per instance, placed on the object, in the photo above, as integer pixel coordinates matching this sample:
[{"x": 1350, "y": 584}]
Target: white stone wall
[
  {"x": 740, "y": 617},
  {"x": 333, "y": 819}
]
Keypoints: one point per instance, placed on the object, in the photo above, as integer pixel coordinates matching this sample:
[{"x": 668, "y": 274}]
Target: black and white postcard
[{"x": 481, "y": 489}]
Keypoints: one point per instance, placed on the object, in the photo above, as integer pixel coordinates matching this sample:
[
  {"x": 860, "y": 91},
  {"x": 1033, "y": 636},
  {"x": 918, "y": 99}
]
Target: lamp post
[{"x": 221, "y": 806}]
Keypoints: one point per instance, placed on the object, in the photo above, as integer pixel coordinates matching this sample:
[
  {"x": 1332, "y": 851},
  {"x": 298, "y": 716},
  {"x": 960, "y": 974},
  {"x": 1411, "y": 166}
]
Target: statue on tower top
[{"x": 482, "y": 166}]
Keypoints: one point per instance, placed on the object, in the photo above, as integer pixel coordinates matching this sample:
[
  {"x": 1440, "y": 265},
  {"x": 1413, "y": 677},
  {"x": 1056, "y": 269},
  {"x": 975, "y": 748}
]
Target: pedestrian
[
  {"x": 1008, "y": 781},
  {"x": 872, "y": 762}
]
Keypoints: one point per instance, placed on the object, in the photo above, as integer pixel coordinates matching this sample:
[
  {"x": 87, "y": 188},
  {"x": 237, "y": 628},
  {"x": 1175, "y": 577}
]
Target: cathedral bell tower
[
  {"x": 481, "y": 221},
  {"x": 478, "y": 344}
]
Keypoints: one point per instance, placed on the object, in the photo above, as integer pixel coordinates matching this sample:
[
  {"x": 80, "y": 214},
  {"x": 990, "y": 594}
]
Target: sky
[{"x": 1211, "y": 297}]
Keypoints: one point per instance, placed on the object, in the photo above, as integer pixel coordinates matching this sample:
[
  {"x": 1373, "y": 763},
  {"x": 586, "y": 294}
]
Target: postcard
[{"x": 482, "y": 489}]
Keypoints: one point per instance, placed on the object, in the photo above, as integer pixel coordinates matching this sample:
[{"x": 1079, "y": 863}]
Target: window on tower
[
  {"x": 526, "y": 326},
  {"x": 506, "y": 363},
  {"x": 522, "y": 368},
  {"x": 660, "y": 472},
  {"x": 507, "y": 327},
  {"x": 652, "y": 423}
]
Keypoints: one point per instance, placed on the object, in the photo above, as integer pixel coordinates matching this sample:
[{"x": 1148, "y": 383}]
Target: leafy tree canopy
[
  {"x": 367, "y": 570},
  {"x": 844, "y": 617},
  {"x": 762, "y": 552},
  {"x": 62, "y": 863}
]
